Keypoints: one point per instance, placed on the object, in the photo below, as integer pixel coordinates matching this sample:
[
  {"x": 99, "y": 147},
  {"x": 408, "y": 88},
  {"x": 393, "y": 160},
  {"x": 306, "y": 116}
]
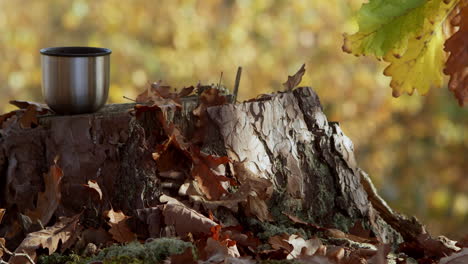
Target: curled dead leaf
[
  {"x": 93, "y": 185},
  {"x": 186, "y": 220},
  {"x": 119, "y": 228},
  {"x": 294, "y": 80}
]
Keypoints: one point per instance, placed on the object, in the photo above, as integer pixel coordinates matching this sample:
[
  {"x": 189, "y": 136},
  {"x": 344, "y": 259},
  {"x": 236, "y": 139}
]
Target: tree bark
[{"x": 285, "y": 138}]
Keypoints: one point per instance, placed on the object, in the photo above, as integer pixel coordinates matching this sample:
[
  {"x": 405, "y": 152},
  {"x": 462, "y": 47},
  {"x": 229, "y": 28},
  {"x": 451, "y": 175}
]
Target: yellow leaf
[{"x": 418, "y": 62}]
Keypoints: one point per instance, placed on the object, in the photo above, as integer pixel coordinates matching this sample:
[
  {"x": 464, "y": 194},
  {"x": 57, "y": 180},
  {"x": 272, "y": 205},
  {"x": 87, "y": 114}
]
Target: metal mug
[{"x": 75, "y": 80}]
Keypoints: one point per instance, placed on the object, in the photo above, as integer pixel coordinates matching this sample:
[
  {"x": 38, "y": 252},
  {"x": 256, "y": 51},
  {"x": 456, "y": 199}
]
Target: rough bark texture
[{"x": 285, "y": 137}]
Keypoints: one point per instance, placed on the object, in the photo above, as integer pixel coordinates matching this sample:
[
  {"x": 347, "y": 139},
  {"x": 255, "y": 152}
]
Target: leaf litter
[{"x": 206, "y": 182}]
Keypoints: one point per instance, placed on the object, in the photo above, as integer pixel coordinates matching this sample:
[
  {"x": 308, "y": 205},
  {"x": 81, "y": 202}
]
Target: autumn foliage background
[{"x": 414, "y": 148}]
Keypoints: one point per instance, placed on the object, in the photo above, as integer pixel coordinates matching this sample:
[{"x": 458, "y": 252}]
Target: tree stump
[{"x": 284, "y": 138}]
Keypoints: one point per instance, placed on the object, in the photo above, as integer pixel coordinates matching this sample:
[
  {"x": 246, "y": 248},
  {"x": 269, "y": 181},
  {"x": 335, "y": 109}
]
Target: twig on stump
[{"x": 236, "y": 85}]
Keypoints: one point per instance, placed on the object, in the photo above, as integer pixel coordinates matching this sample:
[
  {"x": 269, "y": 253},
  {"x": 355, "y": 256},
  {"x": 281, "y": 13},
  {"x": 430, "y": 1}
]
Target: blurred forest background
[{"x": 415, "y": 148}]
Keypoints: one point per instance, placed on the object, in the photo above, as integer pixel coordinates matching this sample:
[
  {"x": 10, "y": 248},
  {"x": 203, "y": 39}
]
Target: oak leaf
[
  {"x": 202, "y": 172},
  {"x": 48, "y": 238},
  {"x": 294, "y": 80},
  {"x": 186, "y": 220},
  {"x": 93, "y": 185},
  {"x": 417, "y": 63},
  {"x": 456, "y": 65},
  {"x": 119, "y": 228},
  {"x": 48, "y": 201},
  {"x": 408, "y": 35}
]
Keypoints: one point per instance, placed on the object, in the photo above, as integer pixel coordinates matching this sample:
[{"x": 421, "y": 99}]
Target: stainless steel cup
[{"x": 75, "y": 80}]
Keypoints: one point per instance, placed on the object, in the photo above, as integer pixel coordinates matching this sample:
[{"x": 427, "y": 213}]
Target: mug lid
[{"x": 75, "y": 51}]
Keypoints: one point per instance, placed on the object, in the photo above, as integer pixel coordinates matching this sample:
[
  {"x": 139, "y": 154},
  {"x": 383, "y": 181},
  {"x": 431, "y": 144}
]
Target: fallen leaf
[
  {"x": 336, "y": 253},
  {"x": 2, "y": 213},
  {"x": 218, "y": 251},
  {"x": 2, "y": 242},
  {"x": 257, "y": 191},
  {"x": 48, "y": 238},
  {"x": 294, "y": 80},
  {"x": 40, "y": 108},
  {"x": 186, "y": 91},
  {"x": 302, "y": 246},
  {"x": 119, "y": 229},
  {"x": 48, "y": 201},
  {"x": 281, "y": 242},
  {"x": 93, "y": 185},
  {"x": 245, "y": 239},
  {"x": 456, "y": 65},
  {"x": 29, "y": 118},
  {"x": 460, "y": 257},
  {"x": 202, "y": 172},
  {"x": 434, "y": 247},
  {"x": 186, "y": 220}
]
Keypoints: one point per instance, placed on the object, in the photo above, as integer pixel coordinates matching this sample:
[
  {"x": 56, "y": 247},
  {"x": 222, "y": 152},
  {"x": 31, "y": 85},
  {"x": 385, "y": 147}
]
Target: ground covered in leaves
[{"x": 179, "y": 230}]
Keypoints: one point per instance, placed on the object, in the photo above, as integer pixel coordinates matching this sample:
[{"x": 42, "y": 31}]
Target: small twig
[
  {"x": 128, "y": 98},
  {"x": 236, "y": 85},
  {"x": 220, "y": 78},
  {"x": 14, "y": 254}
]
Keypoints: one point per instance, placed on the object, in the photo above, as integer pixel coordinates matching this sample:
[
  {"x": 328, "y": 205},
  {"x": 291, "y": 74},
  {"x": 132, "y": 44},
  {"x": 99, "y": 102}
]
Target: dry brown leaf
[
  {"x": 202, "y": 172},
  {"x": 218, "y": 251},
  {"x": 119, "y": 228},
  {"x": 93, "y": 185},
  {"x": 434, "y": 247},
  {"x": 2, "y": 213},
  {"x": 456, "y": 65},
  {"x": 186, "y": 220},
  {"x": 40, "y": 108},
  {"x": 29, "y": 118},
  {"x": 460, "y": 257},
  {"x": 302, "y": 246},
  {"x": 256, "y": 190},
  {"x": 294, "y": 80},
  {"x": 2, "y": 242},
  {"x": 48, "y": 201},
  {"x": 48, "y": 238},
  {"x": 281, "y": 242}
]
